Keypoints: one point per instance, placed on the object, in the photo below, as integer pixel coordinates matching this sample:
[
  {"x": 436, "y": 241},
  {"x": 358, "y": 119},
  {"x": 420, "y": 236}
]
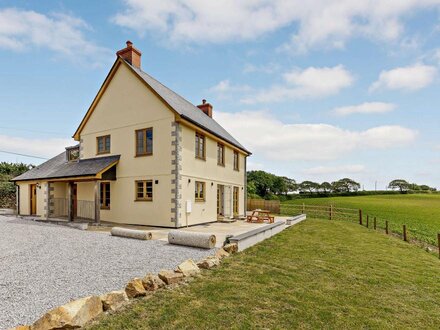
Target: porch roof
[{"x": 59, "y": 168}]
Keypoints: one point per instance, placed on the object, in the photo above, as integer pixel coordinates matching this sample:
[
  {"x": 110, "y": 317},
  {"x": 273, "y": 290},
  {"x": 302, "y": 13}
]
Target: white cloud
[
  {"x": 311, "y": 82},
  {"x": 411, "y": 78},
  {"x": 313, "y": 23},
  {"x": 365, "y": 108},
  {"x": 225, "y": 86},
  {"x": 46, "y": 148},
  {"x": 277, "y": 141},
  {"x": 340, "y": 170},
  {"x": 252, "y": 166},
  {"x": 60, "y": 33}
]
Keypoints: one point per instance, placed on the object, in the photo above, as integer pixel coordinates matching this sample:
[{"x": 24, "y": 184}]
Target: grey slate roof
[
  {"x": 59, "y": 167},
  {"x": 187, "y": 110}
]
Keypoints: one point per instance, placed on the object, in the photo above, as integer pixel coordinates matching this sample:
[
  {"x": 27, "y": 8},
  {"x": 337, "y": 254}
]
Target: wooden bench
[{"x": 260, "y": 216}]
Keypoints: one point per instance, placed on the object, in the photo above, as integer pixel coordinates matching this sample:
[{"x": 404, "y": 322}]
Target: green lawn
[
  {"x": 421, "y": 213},
  {"x": 318, "y": 274}
]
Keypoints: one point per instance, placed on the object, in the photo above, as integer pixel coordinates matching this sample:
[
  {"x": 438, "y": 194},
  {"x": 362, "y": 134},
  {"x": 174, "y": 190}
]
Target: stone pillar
[
  {"x": 231, "y": 201},
  {"x": 97, "y": 202},
  {"x": 245, "y": 187},
  {"x": 47, "y": 200}
]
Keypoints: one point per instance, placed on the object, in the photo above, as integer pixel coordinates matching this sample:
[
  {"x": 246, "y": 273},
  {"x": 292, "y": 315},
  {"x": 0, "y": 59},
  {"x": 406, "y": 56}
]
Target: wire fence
[{"x": 357, "y": 215}]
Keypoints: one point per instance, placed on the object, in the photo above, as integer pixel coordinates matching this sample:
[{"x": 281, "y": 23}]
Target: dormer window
[{"x": 72, "y": 153}]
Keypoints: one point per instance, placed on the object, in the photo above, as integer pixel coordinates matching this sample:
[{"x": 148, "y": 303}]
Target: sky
[{"x": 317, "y": 90}]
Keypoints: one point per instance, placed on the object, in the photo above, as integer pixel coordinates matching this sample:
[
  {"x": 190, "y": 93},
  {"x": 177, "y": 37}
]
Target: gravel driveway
[{"x": 43, "y": 266}]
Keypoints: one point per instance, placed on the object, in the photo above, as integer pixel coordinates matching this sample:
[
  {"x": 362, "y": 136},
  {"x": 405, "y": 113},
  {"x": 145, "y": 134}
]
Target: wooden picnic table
[{"x": 260, "y": 216}]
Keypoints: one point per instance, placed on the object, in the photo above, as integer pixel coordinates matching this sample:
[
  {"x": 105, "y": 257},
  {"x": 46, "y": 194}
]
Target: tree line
[
  {"x": 261, "y": 184},
  {"x": 404, "y": 186},
  {"x": 7, "y": 188},
  {"x": 267, "y": 185}
]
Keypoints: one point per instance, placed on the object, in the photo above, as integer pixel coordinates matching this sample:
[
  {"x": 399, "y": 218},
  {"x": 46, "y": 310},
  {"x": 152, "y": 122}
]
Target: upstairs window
[
  {"x": 200, "y": 191},
  {"x": 200, "y": 146},
  {"x": 236, "y": 160},
  {"x": 144, "y": 142},
  {"x": 144, "y": 190},
  {"x": 220, "y": 154},
  {"x": 103, "y": 144},
  {"x": 105, "y": 195}
]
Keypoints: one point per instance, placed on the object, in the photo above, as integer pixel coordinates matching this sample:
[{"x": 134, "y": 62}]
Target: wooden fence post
[
  {"x": 374, "y": 223},
  {"x": 386, "y": 227},
  {"x": 438, "y": 239},
  {"x": 368, "y": 221},
  {"x": 405, "y": 236},
  {"x": 303, "y": 209},
  {"x": 360, "y": 216},
  {"x": 330, "y": 215}
]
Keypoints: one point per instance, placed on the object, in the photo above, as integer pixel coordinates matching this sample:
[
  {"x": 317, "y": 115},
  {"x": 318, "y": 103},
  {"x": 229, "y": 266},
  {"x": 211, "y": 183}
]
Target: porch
[{"x": 79, "y": 201}]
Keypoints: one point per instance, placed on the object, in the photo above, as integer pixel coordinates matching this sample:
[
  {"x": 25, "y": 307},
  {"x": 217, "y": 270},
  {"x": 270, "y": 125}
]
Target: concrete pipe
[
  {"x": 188, "y": 238},
  {"x": 131, "y": 233}
]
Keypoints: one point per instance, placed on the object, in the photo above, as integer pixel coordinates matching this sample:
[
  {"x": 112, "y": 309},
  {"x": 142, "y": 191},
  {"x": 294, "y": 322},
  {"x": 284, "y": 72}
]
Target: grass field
[
  {"x": 318, "y": 274},
  {"x": 421, "y": 213}
]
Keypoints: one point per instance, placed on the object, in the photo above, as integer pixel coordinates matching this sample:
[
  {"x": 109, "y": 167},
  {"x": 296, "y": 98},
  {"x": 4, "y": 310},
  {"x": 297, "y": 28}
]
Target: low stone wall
[{"x": 257, "y": 235}]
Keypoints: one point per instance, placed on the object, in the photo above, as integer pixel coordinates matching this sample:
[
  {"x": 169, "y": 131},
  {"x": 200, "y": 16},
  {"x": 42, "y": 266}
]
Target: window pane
[
  {"x": 140, "y": 187},
  {"x": 139, "y": 142},
  {"x": 197, "y": 145},
  {"x": 149, "y": 187},
  {"x": 107, "y": 143},
  {"x": 100, "y": 144},
  {"x": 149, "y": 133}
]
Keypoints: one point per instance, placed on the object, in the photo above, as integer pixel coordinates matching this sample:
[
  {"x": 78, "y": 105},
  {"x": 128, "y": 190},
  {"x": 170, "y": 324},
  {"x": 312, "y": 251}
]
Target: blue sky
[{"x": 317, "y": 90}]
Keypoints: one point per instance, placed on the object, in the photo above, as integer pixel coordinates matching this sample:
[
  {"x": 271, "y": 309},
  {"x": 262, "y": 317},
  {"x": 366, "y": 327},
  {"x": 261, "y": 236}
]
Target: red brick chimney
[
  {"x": 206, "y": 108},
  {"x": 131, "y": 54}
]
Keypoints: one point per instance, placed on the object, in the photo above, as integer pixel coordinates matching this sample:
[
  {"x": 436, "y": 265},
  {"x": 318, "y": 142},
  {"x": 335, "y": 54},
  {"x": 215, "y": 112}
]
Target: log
[
  {"x": 131, "y": 233},
  {"x": 189, "y": 238}
]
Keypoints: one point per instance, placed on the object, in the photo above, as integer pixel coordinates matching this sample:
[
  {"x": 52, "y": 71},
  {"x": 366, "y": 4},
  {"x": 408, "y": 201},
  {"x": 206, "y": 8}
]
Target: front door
[
  {"x": 220, "y": 200},
  {"x": 75, "y": 200},
  {"x": 33, "y": 199}
]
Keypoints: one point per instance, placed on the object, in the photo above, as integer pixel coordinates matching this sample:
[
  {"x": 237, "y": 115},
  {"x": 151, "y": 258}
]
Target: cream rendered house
[{"x": 145, "y": 156}]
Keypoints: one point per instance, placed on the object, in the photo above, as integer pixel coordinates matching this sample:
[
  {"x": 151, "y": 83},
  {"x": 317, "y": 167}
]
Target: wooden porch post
[
  {"x": 97, "y": 202},
  {"x": 70, "y": 201}
]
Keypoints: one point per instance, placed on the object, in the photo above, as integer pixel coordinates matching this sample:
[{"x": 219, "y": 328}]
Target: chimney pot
[{"x": 130, "y": 54}]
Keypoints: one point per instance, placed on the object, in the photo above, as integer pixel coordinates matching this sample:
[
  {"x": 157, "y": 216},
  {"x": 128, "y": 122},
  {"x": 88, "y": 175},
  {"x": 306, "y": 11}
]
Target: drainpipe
[{"x": 17, "y": 198}]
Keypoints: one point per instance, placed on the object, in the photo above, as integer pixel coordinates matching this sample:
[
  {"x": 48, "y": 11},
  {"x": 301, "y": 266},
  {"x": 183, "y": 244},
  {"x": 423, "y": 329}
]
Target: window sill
[
  {"x": 143, "y": 155},
  {"x": 236, "y": 170},
  {"x": 201, "y": 158},
  {"x": 143, "y": 200},
  {"x": 200, "y": 201},
  {"x": 104, "y": 208},
  {"x": 222, "y": 165},
  {"x": 103, "y": 153}
]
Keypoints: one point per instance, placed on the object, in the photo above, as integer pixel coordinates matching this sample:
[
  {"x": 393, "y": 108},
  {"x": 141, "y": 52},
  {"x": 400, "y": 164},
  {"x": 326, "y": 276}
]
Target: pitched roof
[
  {"x": 186, "y": 109},
  {"x": 59, "y": 167}
]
